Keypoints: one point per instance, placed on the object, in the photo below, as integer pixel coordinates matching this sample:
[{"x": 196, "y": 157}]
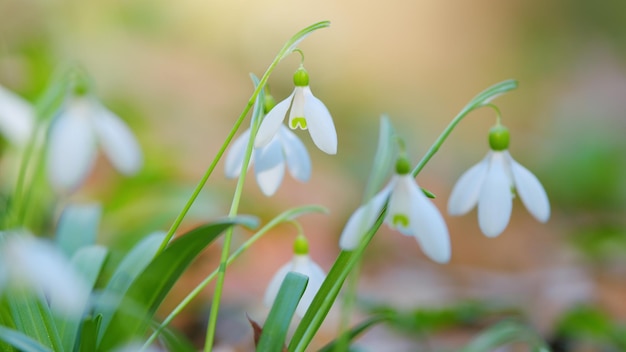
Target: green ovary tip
[
  {"x": 499, "y": 138},
  {"x": 301, "y": 77},
  {"x": 301, "y": 246},
  {"x": 298, "y": 122}
]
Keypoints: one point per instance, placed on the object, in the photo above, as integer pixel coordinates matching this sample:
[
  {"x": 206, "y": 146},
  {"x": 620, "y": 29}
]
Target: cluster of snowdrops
[{"x": 45, "y": 280}]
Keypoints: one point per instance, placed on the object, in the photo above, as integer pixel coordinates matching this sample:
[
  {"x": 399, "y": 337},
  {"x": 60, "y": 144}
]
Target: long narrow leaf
[
  {"x": 21, "y": 341},
  {"x": 89, "y": 334},
  {"x": 88, "y": 261},
  {"x": 33, "y": 318},
  {"x": 148, "y": 290},
  {"x": 277, "y": 323},
  {"x": 131, "y": 266}
]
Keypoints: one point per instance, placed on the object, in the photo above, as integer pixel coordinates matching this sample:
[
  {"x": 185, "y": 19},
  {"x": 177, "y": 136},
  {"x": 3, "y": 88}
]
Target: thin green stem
[
  {"x": 234, "y": 208},
  {"x": 47, "y": 105}
]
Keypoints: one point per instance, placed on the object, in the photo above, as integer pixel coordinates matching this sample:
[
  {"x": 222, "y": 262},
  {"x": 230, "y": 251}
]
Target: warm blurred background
[{"x": 178, "y": 73}]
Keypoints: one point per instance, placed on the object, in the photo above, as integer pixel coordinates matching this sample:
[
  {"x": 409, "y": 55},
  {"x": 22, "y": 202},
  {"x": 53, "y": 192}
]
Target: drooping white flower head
[
  {"x": 492, "y": 183},
  {"x": 35, "y": 264},
  {"x": 76, "y": 132},
  {"x": 305, "y": 112},
  {"x": 409, "y": 211},
  {"x": 302, "y": 264},
  {"x": 17, "y": 118},
  {"x": 269, "y": 160}
]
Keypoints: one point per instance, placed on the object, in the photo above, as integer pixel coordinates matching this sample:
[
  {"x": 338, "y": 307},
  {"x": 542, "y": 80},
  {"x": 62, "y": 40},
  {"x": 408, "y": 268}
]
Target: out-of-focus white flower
[
  {"x": 35, "y": 264},
  {"x": 270, "y": 160},
  {"x": 492, "y": 183},
  {"x": 409, "y": 211},
  {"x": 17, "y": 118},
  {"x": 302, "y": 264},
  {"x": 82, "y": 125},
  {"x": 305, "y": 112}
]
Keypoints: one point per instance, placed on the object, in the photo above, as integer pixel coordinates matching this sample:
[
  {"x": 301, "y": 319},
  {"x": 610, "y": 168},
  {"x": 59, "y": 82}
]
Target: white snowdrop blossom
[
  {"x": 305, "y": 112},
  {"x": 492, "y": 183},
  {"x": 17, "y": 118},
  {"x": 302, "y": 264},
  {"x": 35, "y": 264},
  {"x": 269, "y": 160},
  {"x": 74, "y": 136},
  {"x": 409, "y": 211}
]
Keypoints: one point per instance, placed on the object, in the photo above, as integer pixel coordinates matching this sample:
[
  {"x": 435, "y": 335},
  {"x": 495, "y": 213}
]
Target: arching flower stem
[{"x": 482, "y": 99}]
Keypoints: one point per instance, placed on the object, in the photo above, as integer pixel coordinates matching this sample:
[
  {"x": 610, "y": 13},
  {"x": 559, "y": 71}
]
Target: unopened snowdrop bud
[
  {"x": 306, "y": 112},
  {"x": 269, "y": 102},
  {"x": 492, "y": 183},
  {"x": 302, "y": 264}
]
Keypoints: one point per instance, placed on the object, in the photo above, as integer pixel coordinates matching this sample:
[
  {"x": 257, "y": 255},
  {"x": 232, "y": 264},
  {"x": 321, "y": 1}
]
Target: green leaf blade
[
  {"x": 149, "y": 288},
  {"x": 277, "y": 323},
  {"x": 21, "y": 341}
]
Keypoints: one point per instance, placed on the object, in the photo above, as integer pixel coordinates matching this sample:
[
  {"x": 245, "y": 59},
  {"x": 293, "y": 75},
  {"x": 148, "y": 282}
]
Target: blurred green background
[{"x": 178, "y": 73}]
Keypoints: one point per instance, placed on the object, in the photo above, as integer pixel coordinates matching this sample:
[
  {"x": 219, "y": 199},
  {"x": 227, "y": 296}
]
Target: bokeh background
[{"x": 178, "y": 73}]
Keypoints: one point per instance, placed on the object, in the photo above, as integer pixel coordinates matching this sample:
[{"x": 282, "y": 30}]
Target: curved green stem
[{"x": 480, "y": 100}]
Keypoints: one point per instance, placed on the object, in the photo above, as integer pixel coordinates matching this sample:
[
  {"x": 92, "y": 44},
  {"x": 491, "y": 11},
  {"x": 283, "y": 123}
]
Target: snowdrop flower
[
  {"x": 35, "y": 264},
  {"x": 77, "y": 130},
  {"x": 305, "y": 112},
  {"x": 269, "y": 160},
  {"x": 409, "y": 211},
  {"x": 17, "y": 118},
  {"x": 302, "y": 264},
  {"x": 492, "y": 184}
]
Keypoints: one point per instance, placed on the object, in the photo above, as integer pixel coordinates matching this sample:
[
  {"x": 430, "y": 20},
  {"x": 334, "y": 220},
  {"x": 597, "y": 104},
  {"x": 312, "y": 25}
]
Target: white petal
[
  {"x": 320, "y": 123},
  {"x": 465, "y": 192},
  {"x": 234, "y": 158},
  {"x": 399, "y": 208},
  {"x": 269, "y": 167},
  {"x": 17, "y": 117},
  {"x": 117, "y": 141},
  {"x": 530, "y": 191},
  {"x": 429, "y": 227},
  {"x": 274, "y": 285},
  {"x": 496, "y": 199},
  {"x": 297, "y": 117},
  {"x": 38, "y": 265},
  {"x": 304, "y": 265},
  {"x": 298, "y": 160},
  {"x": 71, "y": 149},
  {"x": 362, "y": 219},
  {"x": 272, "y": 122}
]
